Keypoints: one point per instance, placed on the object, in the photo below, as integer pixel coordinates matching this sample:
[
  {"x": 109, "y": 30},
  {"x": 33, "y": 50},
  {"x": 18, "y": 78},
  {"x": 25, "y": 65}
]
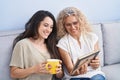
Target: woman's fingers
[
  {"x": 59, "y": 68},
  {"x": 83, "y": 69},
  {"x": 41, "y": 68},
  {"x": 95, "y": 63}
]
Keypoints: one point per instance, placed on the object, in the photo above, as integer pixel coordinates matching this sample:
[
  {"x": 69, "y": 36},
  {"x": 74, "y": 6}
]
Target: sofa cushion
[
  {"x": 97, "y": 30},
  {"x": 6, "y": 41},
  {"x": 111, "y": 39},
  {"x": 112, "y": 71}
]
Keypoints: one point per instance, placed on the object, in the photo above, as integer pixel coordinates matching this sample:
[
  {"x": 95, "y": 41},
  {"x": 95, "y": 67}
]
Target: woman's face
[
  {"x": 72, "y": 25},
  {"x": 45, "y": 28}
]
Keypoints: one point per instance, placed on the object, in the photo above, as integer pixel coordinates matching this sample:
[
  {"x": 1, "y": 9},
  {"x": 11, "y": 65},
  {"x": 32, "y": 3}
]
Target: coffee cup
[{"x": 53, "y": 63}]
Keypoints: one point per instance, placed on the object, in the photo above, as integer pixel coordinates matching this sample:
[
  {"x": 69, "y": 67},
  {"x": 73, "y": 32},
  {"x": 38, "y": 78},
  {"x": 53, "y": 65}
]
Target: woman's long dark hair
[{"x": 31, "y": 30}]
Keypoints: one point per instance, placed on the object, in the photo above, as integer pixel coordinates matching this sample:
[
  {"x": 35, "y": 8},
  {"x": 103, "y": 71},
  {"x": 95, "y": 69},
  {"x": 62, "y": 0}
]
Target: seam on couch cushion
[{"x": 9, "y": 33}]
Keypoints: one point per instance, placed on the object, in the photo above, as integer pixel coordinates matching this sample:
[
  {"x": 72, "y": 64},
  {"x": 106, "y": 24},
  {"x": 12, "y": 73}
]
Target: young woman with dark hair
[{"x": 33, "y": 47}]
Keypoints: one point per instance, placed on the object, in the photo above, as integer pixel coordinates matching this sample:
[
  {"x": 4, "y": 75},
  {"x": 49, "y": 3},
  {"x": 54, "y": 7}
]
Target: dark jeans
[{"x": 96, "y": 77}]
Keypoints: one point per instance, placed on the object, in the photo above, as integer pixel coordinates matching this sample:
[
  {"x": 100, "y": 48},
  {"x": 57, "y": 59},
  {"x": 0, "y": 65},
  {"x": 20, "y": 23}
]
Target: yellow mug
[{"x": 53, "y": 63}]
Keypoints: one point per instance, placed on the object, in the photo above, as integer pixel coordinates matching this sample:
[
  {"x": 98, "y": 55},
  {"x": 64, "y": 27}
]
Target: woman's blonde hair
[{"x": 84, "y": 26}]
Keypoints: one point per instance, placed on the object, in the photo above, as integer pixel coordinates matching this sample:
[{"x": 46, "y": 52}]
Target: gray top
[{"x": 26, "y": 55}]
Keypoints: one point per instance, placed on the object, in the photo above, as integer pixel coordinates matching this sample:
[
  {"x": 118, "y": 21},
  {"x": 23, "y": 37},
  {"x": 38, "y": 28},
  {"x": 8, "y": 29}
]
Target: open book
[{"x": 85, "y": 58}]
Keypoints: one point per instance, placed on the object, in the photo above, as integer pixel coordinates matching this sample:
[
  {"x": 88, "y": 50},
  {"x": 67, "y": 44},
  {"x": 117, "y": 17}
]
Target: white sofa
[{"x": 109, "y": 40}]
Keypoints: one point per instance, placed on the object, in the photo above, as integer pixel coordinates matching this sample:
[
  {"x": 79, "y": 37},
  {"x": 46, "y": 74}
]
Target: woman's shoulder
[
  {"x": 23, "y": 42},
  {"x": 91, "y": 34},
  {"x": 63, "y": 41},
  {"x": 64, "y": 38}
]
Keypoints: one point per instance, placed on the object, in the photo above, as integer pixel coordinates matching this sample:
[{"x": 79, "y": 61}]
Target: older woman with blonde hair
[{"x": 76, "y": 38}]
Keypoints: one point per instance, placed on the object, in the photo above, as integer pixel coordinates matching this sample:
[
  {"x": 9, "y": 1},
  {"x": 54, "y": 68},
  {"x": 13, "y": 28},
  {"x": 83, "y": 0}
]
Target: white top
[{"x": 70, "y": 45}]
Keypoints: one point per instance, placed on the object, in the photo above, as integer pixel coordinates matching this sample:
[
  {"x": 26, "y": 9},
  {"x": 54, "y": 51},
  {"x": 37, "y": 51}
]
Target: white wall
[{"x": 15, "y": 13}]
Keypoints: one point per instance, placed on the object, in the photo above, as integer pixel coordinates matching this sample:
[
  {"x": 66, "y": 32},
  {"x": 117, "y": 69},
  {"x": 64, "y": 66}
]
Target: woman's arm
[
  {"x": 95, "y": 63},
  {"x": 60, "y": 72},
  {"x": 96, "y": 46},
  {"x": 66, "y": 59},
  {"x": 69, "y": 64},
  {"x": 20, "y": 73},
  {"x": 17, "y": 72}
]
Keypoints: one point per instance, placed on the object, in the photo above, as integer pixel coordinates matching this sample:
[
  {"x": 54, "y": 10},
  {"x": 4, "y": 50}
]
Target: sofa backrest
[
  {"x": 111, "y": 42},
  {"x": 6, "y": 41}
]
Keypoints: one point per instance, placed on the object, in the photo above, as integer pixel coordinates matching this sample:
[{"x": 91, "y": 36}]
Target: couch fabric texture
[{"x": 109, "y": 42}]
